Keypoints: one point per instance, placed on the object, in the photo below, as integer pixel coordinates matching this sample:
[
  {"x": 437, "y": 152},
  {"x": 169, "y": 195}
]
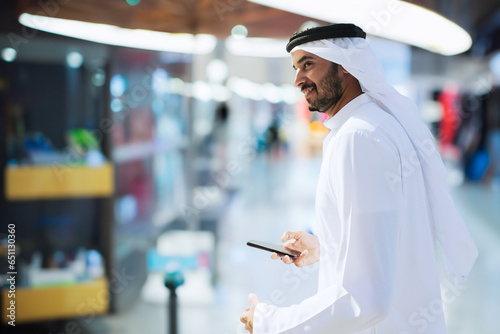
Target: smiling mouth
[{"x": 307, "y": 91}]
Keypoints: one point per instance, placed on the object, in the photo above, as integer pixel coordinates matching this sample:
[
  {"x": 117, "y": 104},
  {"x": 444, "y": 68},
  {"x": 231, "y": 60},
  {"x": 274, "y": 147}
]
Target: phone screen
[{"x": 274, "y": 248}]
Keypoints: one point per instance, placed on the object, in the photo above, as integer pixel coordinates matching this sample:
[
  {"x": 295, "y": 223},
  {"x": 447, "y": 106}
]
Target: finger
[
  {"x": 245, "y": 313},
  {"x": 275, "y": 256},
  {"x": 253, "y": 299},
  {"x": 299, "y": 262},
  {"x": 291, "y": 235},
  {"x": 289, "y": 244},
  {"x": 286, "y": 259},
  {"x": 303, "y": 254},
  {"x": 286, "y": 236}
]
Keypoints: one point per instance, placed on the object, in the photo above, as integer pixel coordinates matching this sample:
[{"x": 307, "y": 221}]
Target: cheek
[
  {"x": 318, "y": 79},
  {"x": 314, "y": 80},
  {"x": 319, "y": 84}
]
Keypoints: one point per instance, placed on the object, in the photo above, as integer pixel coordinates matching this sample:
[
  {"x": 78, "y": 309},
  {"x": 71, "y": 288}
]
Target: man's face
[{"x": 318, "y": 79}]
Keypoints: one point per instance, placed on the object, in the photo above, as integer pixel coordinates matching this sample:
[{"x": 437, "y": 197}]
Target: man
[{"x": 381, "y": 203}]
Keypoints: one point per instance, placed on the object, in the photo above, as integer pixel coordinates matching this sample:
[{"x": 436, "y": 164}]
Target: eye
[{"x": 307, "y": 64}]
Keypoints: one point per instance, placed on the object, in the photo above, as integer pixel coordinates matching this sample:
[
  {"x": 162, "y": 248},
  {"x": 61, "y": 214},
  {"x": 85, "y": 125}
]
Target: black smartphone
[{"x": 274, "y": 248}]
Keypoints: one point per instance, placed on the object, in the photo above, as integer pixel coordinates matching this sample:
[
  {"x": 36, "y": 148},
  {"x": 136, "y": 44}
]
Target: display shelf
[
  {"x": 142, "y": 150},
  {"x": 63, "y": 302},
  {"x": 54, "y": 182}
]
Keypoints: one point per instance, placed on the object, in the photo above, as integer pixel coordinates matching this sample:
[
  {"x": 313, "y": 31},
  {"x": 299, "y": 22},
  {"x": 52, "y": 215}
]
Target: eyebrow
[{"x": 301, "y": 60}]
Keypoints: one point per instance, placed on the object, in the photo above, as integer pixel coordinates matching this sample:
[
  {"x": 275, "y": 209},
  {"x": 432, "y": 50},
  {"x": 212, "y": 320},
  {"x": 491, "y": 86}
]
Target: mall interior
[{"x": 143, "y": 143}]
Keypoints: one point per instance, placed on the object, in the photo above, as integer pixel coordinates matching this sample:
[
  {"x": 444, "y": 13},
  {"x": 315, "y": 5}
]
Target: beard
[{"x": 331, "y": 91}]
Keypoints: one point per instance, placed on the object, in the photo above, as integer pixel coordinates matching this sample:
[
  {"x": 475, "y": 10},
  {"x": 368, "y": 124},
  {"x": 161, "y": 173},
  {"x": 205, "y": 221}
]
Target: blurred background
[{"x": 144, "y": 142}]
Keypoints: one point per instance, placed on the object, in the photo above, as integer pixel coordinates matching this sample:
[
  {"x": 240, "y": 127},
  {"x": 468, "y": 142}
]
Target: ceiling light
[
  {"x": 113, "y": 35},
  {"x": 117, "y": 85},
  {"x": 245, "y": 88},
  {"x": 392, "y": 19},
  {"x": 271, "y": 93},
  {"x": 98, "y": 77},
  {"x": 116, "y": 105},
  {"x": 133, "y": 2},
  {"x": 217, "y": 71},
  {"x": 201, "y": 91},
  {"x": 74, "y": 59},
  {"x": 160, "y": 81},
  {"x": 9, "y": 54},
  {"x": 257, "y": 47},
  {"x": 220, "y": 93},
  {"x": 239, "y": 31},
  {"x": 176, "y": 86}
]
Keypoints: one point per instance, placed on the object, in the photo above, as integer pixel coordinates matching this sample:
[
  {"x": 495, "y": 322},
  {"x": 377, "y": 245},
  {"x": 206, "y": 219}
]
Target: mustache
[{"x": 308, "y": 85}]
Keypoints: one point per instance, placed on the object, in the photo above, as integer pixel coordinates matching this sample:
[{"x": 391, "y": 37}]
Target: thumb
[
  {"x": 253, "y": 299},
  {"x": 300, "y": 262}
]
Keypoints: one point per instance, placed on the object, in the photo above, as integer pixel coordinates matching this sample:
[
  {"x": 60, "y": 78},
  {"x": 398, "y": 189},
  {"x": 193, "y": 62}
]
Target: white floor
[{"x": 278, "y": 195}]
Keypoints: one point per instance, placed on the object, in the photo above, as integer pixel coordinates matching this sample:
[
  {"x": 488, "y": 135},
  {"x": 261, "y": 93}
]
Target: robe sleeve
[{"x": 365, "y": 262}]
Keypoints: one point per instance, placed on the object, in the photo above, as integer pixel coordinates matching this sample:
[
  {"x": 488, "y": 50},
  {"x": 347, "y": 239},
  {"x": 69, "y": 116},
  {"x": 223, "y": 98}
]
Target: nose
[{"x": 300, "y": 78}]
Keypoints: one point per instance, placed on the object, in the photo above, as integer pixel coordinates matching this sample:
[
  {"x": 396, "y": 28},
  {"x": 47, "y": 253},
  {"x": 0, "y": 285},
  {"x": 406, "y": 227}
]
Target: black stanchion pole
[{"x": 172, "y": 281}]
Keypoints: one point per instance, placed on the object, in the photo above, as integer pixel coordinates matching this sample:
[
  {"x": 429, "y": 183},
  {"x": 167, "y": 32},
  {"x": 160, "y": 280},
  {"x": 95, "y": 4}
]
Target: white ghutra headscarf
[{"x": 355, "y": 56}]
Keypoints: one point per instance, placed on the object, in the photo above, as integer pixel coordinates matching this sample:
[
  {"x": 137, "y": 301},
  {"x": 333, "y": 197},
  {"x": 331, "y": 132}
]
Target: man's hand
[
  {"x": 247, "y": 315},
  {"x": 305, "y": 243}
]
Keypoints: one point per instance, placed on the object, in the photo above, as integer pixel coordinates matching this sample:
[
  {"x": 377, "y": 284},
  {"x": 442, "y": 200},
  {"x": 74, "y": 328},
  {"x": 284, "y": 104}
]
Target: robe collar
[{"x": 335, "y": 123}]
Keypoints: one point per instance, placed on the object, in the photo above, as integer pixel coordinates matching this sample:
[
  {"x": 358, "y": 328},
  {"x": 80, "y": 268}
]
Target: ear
[
  {"x": 344, "y": 73},
  {"x": 343, "y": 70}
]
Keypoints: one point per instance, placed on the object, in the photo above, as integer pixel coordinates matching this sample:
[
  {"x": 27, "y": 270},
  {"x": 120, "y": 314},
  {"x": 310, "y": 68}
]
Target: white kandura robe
[{"x": 378, "y": 270}]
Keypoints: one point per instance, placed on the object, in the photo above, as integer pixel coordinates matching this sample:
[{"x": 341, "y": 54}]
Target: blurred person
[
  {"x": 221, "y": 133},
  {"x": 273, "y": 141},
  {"x": 472, "y": 136},
  {"x": 381, "y": 203},
  {"x": 450, "y": 120},
  {"x": 493, "y": 135}
]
